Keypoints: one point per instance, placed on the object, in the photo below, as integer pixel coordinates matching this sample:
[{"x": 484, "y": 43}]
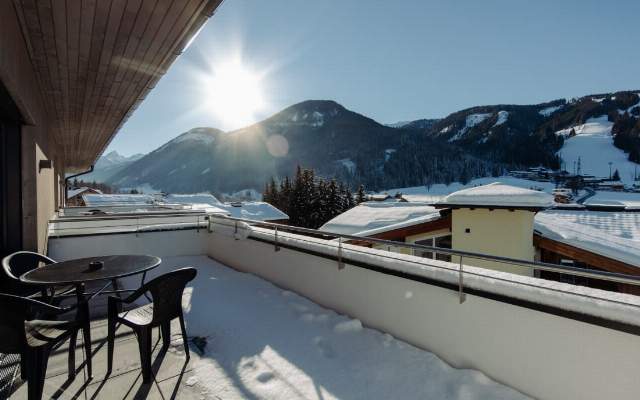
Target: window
[{"x": 443, "y": 241}]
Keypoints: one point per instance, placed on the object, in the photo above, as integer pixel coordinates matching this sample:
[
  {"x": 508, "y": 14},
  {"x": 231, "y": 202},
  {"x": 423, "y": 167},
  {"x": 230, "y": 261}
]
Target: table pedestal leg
[
  {"x": 85, "y": 317},
  {"x": 116, "y": 288}
]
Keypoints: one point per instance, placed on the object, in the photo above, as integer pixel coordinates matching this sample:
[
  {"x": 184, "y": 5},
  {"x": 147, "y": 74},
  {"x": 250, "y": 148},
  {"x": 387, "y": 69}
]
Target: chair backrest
[
  {"x": 166, "y": 292},
  {"x": 15, "y": 310},
  {"x": 17, "y": 264},
  {"x": 20, "y": 262}
]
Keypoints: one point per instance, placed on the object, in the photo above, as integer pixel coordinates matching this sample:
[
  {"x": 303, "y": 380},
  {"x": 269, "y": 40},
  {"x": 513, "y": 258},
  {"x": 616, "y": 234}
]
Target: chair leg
[
  {"x": 36, "y": 372},
  {"x": 72, "y": 355},
  {"x": 86, "y": 335},
  {"x": 184, "y": 336},
  {"x": 111, "y": 337},
  {"x": 144, "y": 342},
  {"x": 165, "y": 329},
  {"x": 23, "y": 365}
]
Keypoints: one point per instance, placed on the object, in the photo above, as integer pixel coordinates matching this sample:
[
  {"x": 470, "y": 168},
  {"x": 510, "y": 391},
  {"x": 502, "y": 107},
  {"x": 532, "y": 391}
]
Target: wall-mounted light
[{"x": 45, "y": 164}]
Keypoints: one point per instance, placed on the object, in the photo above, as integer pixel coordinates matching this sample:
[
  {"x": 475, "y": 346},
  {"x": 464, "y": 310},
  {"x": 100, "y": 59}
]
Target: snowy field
[
  {"x": 267, "y": 343},
  {"x": 593, "y": 143}
]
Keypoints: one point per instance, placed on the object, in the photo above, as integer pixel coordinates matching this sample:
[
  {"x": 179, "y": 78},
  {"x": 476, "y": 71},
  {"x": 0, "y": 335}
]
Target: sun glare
[{"x": 234, "y": 94}]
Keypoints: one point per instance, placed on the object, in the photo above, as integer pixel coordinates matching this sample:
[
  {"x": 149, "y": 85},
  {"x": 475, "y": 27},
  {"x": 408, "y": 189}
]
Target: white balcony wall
[
  {"x": 161, "y": 244},
  {"x": 540, "y": 354}
]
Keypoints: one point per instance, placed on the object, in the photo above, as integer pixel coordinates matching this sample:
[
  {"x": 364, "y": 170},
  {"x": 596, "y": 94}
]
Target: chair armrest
[
  {"x": 40, "y": 306},
  {"x": 133, "y": 296}
]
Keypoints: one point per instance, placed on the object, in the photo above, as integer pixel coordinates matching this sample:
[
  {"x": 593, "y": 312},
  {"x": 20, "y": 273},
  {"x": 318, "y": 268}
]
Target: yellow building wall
[{"x": 496, "y": 232}]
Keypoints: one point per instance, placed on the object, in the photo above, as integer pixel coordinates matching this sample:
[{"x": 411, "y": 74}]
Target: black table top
[{"x": 77, "y": 271}]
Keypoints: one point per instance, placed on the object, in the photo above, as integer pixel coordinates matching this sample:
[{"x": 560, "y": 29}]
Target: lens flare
[{"x": 277, "y": 145}]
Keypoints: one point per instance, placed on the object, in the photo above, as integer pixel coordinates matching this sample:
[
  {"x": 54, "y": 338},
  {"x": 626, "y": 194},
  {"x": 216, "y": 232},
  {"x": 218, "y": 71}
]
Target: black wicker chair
[
  {"x": 22, "y": 333},
  {"x": 166, "y": 294}
]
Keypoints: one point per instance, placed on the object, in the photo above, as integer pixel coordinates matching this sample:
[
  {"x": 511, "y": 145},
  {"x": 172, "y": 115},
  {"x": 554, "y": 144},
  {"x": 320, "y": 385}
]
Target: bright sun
[{"x": 234, "y": 94}]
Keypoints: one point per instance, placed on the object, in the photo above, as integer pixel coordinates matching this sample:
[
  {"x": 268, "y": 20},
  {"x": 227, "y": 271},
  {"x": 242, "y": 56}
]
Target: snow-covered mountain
[
  {"x": 108, "y": 165},
  {"x": 337, "y": 142}
]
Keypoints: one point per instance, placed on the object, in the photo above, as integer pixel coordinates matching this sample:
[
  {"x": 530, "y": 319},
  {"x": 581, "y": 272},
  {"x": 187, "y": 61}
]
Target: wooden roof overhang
[
  {"x": 588, "y": 257},
  {"x": 96, "y": 60}
]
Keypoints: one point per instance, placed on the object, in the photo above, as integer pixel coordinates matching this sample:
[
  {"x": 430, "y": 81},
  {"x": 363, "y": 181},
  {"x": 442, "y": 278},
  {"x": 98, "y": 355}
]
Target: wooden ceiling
[{"x": 96, "y": 60}]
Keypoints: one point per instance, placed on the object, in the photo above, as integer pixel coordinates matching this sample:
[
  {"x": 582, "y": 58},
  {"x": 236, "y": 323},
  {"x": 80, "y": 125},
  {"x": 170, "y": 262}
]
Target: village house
[{"x": 505, "y": 221}]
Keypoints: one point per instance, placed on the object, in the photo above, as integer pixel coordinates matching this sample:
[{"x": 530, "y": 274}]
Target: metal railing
[
  {"x": 534, "y": 265},
  {"x": 201, "y": 220},
  {"x": 126, "y": 223}
]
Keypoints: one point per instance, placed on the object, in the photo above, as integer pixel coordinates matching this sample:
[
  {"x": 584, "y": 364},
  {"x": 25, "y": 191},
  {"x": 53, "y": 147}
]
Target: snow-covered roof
[
  {"x": 498, "y": 195},
  {"x": 619, "y": 199},
  {"x": 367, "y": 218},
  {"x": 615, "y": 235},
  {"x": 256, "y": 210},
  {"x": 116, "y": 199},
  {"x": 76, "y": 191},
  {"x": 197, "y": 198},
  {"x": 423, "y": 198}
]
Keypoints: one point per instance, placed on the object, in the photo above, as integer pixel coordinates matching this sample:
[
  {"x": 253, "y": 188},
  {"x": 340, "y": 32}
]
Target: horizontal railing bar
[
  {"x": 81, "y": 218},
  {"x": 602, "y": 275},
  {"x": 131, "y": 227}
]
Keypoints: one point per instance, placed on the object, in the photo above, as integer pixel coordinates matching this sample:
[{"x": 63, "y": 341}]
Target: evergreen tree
[
  {"x": 616, "y": 175},
  {"x": 361, "y": 196},
  {"x": 309, "y": 201}
]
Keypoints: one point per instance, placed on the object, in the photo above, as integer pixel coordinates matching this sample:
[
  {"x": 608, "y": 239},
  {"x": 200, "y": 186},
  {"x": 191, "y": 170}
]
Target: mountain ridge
[{"x": 338, "y": 142}]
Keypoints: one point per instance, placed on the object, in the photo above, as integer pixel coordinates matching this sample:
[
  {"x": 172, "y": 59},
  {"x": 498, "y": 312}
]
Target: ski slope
[{"x": 593, "y": 144}]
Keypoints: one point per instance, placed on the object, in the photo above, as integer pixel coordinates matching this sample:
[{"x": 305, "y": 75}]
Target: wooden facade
[{"x": 95, "y": 61}]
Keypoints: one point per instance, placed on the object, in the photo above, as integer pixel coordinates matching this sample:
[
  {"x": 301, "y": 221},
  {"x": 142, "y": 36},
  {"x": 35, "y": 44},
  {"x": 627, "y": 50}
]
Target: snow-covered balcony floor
[{"x": 263, "y": 342}]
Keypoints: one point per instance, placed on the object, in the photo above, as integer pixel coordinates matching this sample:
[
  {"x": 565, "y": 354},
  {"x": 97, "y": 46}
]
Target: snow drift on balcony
[
  {"x": 372, "y": 215},
  {"x": 499, "y": 195},
  {"x": 267, "y": 343},
  {"x": 612, "y": 234}
]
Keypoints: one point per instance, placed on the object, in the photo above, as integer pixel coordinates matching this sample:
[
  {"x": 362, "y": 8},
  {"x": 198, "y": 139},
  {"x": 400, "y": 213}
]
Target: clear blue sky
[{"x": 396, "y": 60}]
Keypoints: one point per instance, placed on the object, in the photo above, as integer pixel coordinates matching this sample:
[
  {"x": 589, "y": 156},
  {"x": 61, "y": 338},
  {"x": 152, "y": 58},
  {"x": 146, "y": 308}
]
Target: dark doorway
[{"x": 10, "y": 175}]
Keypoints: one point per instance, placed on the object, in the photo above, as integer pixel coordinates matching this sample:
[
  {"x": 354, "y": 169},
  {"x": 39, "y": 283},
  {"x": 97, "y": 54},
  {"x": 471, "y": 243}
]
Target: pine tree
[
  {"x": 361, "y": 196},
  {"x": 616, "y": 175}
]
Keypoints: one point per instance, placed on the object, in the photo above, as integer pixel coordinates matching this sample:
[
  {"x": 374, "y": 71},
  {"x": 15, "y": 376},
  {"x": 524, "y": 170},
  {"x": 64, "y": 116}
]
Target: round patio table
[{"x": 77, "y": 271}]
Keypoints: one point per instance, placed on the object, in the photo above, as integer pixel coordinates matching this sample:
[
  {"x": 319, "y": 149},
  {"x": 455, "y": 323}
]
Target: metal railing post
[
  {"x": 461, "y": 293},
  {"x": 277, "y": 246},
  {"x": 235, "y": 233},
  {"x": 340, "y": 263},
  {"x": 198, "y": 224}
]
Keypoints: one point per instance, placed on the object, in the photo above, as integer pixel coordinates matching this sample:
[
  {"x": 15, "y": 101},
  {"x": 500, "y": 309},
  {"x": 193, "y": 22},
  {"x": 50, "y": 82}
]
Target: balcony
[
  {"x": 277, "y": 314},
  {"x": 253, "y": 339}
]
